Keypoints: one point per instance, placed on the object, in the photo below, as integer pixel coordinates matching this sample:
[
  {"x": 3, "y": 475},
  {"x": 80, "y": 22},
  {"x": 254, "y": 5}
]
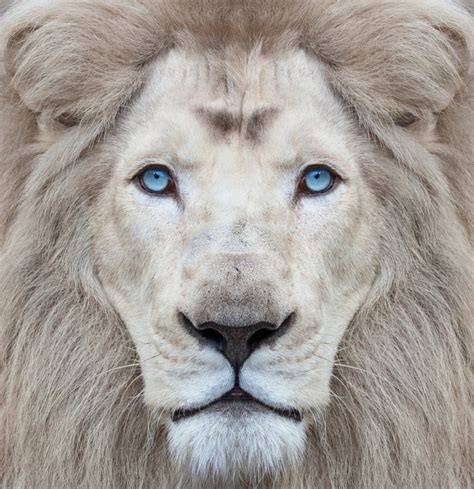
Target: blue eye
[
  {"x": 156, "y": 180},
  {"x": 317, "y": 180}
]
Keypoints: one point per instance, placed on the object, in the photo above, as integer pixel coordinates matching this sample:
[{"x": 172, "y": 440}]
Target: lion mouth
[{"x": 237, "y": 396}]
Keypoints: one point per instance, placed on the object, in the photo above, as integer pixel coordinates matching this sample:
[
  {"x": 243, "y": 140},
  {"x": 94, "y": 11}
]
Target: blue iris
[
  {"x": 318, "y": 179},
  {"x": 155, "y": 179}
]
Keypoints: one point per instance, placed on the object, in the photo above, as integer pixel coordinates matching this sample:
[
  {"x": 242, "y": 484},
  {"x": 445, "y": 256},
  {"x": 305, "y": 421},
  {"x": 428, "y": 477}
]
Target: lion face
[{"x": 235, "y": 278}]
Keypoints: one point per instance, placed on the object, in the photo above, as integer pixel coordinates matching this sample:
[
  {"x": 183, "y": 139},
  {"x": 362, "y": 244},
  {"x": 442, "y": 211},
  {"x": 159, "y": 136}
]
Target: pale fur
[{"x": 72, "y": 412}]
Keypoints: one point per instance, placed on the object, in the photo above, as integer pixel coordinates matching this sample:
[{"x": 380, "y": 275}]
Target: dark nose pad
[{"x": 237, "y": 343}]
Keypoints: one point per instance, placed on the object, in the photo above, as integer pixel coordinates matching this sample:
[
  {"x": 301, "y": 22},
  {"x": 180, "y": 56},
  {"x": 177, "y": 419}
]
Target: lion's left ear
[
  {"x": 69, "y": 66},
  {"x": 395, "y": 62}
]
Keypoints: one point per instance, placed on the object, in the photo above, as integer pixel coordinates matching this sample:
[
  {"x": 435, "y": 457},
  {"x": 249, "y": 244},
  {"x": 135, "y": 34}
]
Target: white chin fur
[{"x": 224, "y": 446}]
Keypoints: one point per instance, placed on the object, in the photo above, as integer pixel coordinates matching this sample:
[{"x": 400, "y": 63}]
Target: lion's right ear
[
  {"x": 397, "y": 62},
  {"x": 69, "y": 66}
]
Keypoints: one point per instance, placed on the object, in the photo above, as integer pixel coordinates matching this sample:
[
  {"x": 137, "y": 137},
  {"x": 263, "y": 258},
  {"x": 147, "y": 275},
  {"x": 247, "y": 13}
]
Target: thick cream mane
[{"x": 72, "y": 413}]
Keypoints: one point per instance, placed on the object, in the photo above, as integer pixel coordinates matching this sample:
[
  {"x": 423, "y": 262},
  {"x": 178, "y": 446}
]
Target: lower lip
[{"x": 237, "y": 405}]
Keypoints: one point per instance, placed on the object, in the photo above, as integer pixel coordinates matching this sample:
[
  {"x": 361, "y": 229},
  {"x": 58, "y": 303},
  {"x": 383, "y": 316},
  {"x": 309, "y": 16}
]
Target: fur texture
[{"x": 72, "y": 415}]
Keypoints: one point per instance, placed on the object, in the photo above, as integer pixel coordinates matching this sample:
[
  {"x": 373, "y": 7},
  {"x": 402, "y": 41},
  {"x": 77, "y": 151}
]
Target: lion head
[{"x": 236, "y": 244}]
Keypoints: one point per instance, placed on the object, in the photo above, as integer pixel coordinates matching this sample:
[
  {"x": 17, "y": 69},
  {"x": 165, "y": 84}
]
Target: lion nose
[{"x": 237, "y": 342}]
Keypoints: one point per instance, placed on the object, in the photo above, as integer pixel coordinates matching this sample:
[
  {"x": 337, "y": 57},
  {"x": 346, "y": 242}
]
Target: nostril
[
  {"x": 207, "y": 336},
  {"x": 260, "y": 337},
  {"x": 213, "y": 338},
  {"x": 266, "y": 335}
]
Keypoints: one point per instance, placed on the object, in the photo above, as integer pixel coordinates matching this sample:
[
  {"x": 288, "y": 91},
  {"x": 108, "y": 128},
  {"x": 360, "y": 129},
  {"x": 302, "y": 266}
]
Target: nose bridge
[
  {"x": 234, "y": 266},
  {"x": 236, "y": 198},
  {"x": 235, "y": 225},
  {"x": 230, "y": 229},
  {"x": 238, "y": 193},
  {"x": 237, "y": 253},
  {"x": 238, "y": 227}
]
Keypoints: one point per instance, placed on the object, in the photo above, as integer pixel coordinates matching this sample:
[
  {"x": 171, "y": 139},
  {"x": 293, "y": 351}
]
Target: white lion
[{"x": 236, "y": 244}]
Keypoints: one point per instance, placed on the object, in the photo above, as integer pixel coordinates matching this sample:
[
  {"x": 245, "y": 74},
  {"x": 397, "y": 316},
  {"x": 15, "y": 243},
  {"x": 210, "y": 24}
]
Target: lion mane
[{"x": 72, "y": 412}]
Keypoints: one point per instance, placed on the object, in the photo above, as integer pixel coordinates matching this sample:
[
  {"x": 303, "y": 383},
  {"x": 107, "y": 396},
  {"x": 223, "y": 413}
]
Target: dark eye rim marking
[
  {"x": 170, "y": 190},
  {"x": 303, "y": 190}
]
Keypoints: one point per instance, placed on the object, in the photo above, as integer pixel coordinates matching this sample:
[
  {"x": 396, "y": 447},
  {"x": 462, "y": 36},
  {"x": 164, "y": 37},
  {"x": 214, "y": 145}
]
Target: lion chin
[
  {"x": 236, "y": 244},
  {"x": 232, "y": 443}
]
